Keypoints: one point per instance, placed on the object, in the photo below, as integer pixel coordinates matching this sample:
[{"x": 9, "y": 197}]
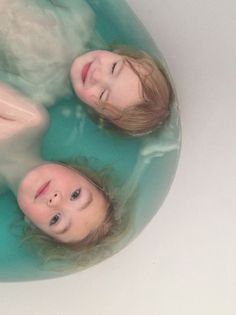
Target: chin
[
  {"x": 74, "y": 69},
  {"x": 76, "y": 87},
  {"x": 22, "y": 204},
  {"x": 75, "y": 79}
]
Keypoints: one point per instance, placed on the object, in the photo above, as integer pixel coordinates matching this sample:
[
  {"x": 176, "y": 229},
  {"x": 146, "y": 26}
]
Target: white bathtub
[{"x": 184, "y": 262}]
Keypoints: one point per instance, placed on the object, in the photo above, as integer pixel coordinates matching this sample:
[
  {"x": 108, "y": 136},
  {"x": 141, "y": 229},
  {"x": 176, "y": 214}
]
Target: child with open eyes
[{"x": 68, "y": 208}]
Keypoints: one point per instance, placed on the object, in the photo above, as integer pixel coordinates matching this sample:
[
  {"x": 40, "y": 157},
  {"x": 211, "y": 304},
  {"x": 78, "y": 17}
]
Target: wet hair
[
  {"x": 153, "y": 110},
  {"x": 97, "y": 245}
]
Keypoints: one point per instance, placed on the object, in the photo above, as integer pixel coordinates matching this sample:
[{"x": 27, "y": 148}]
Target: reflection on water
[{"x": 143, "y": 167}]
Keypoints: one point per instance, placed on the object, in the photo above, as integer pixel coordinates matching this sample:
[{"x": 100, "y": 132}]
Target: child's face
[
  {"x": 103, "y": 76},
  {"x": 61, "y": 202}
]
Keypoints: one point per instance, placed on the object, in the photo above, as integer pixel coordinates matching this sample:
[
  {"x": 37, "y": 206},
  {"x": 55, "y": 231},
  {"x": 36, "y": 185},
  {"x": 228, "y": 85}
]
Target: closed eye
[
  {"x": 101, "y": 95},
  {"x": 117, "y": 67},
  {"x": 113, "y": 67},
  {"x": 104, "y": 95}
]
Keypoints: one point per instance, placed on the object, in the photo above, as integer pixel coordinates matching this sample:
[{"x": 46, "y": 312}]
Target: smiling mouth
[
  {"x": 42, "y": 189},
  {"x": 85, "y": 71}
]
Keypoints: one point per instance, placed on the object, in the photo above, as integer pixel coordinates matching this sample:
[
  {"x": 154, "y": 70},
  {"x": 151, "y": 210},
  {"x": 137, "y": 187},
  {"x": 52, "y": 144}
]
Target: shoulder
[
  {"x": 39, "y": 118},
  {"x": 20, "y": 111}
]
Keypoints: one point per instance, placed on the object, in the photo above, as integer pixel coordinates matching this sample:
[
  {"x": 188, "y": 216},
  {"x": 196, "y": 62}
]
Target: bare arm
[{"x": 18, "y": 113}]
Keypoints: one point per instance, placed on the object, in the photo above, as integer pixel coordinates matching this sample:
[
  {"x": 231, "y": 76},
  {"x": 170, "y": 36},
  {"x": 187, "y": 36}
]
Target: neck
[{"x": 15, "y": 171}]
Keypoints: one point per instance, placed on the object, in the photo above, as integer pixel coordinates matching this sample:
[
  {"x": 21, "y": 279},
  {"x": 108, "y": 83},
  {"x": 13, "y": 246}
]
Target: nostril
[
  {"x": 50, "y": 200},
  {"x": 55, "y": 195}
]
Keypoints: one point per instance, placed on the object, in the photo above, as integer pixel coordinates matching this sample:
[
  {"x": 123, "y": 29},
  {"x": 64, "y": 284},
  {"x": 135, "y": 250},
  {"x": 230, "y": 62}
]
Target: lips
[
  {"x": 42, "y": 189},
  {"x": 85, "y": 71}
]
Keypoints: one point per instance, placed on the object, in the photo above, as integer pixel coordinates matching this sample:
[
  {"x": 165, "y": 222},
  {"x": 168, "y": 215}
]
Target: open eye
[
  {"x": 75, "y": 194},
  {"x": 113, "y": 67},
  {"x": 55, "y": 219}
]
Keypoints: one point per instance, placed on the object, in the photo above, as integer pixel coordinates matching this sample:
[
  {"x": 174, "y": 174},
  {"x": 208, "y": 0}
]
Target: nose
[
  {"x": 100, "y": 75},
  {"x": 96, "y": 76},
  {"x": 54, "y": 199}
]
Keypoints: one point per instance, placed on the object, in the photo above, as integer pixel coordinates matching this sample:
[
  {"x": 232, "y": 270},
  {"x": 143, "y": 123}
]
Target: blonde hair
[
  {"x": 96, "y": 246},
  {"x": 144, "y": 117}
]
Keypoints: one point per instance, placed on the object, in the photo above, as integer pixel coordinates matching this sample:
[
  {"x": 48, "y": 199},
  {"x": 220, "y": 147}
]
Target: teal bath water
[{"x": 142, "y": 168}]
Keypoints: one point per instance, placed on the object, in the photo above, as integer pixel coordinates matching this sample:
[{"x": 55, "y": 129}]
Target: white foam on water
[{"x": 38, "y": 43}]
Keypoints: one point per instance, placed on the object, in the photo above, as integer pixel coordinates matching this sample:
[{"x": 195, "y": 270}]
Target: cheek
[
  {"x": 31, "y": 211},
  {"x": 87, "y": 97},
  {"x": 37, "y": 218}
]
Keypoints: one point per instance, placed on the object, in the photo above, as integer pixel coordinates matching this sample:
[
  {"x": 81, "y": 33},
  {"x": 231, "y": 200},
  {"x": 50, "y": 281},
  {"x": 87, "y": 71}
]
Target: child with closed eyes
[{"x": 124, "y": 87}]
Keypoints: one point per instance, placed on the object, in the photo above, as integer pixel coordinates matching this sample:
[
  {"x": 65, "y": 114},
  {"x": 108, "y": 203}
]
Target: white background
[{"x": 185, "y": 260}]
